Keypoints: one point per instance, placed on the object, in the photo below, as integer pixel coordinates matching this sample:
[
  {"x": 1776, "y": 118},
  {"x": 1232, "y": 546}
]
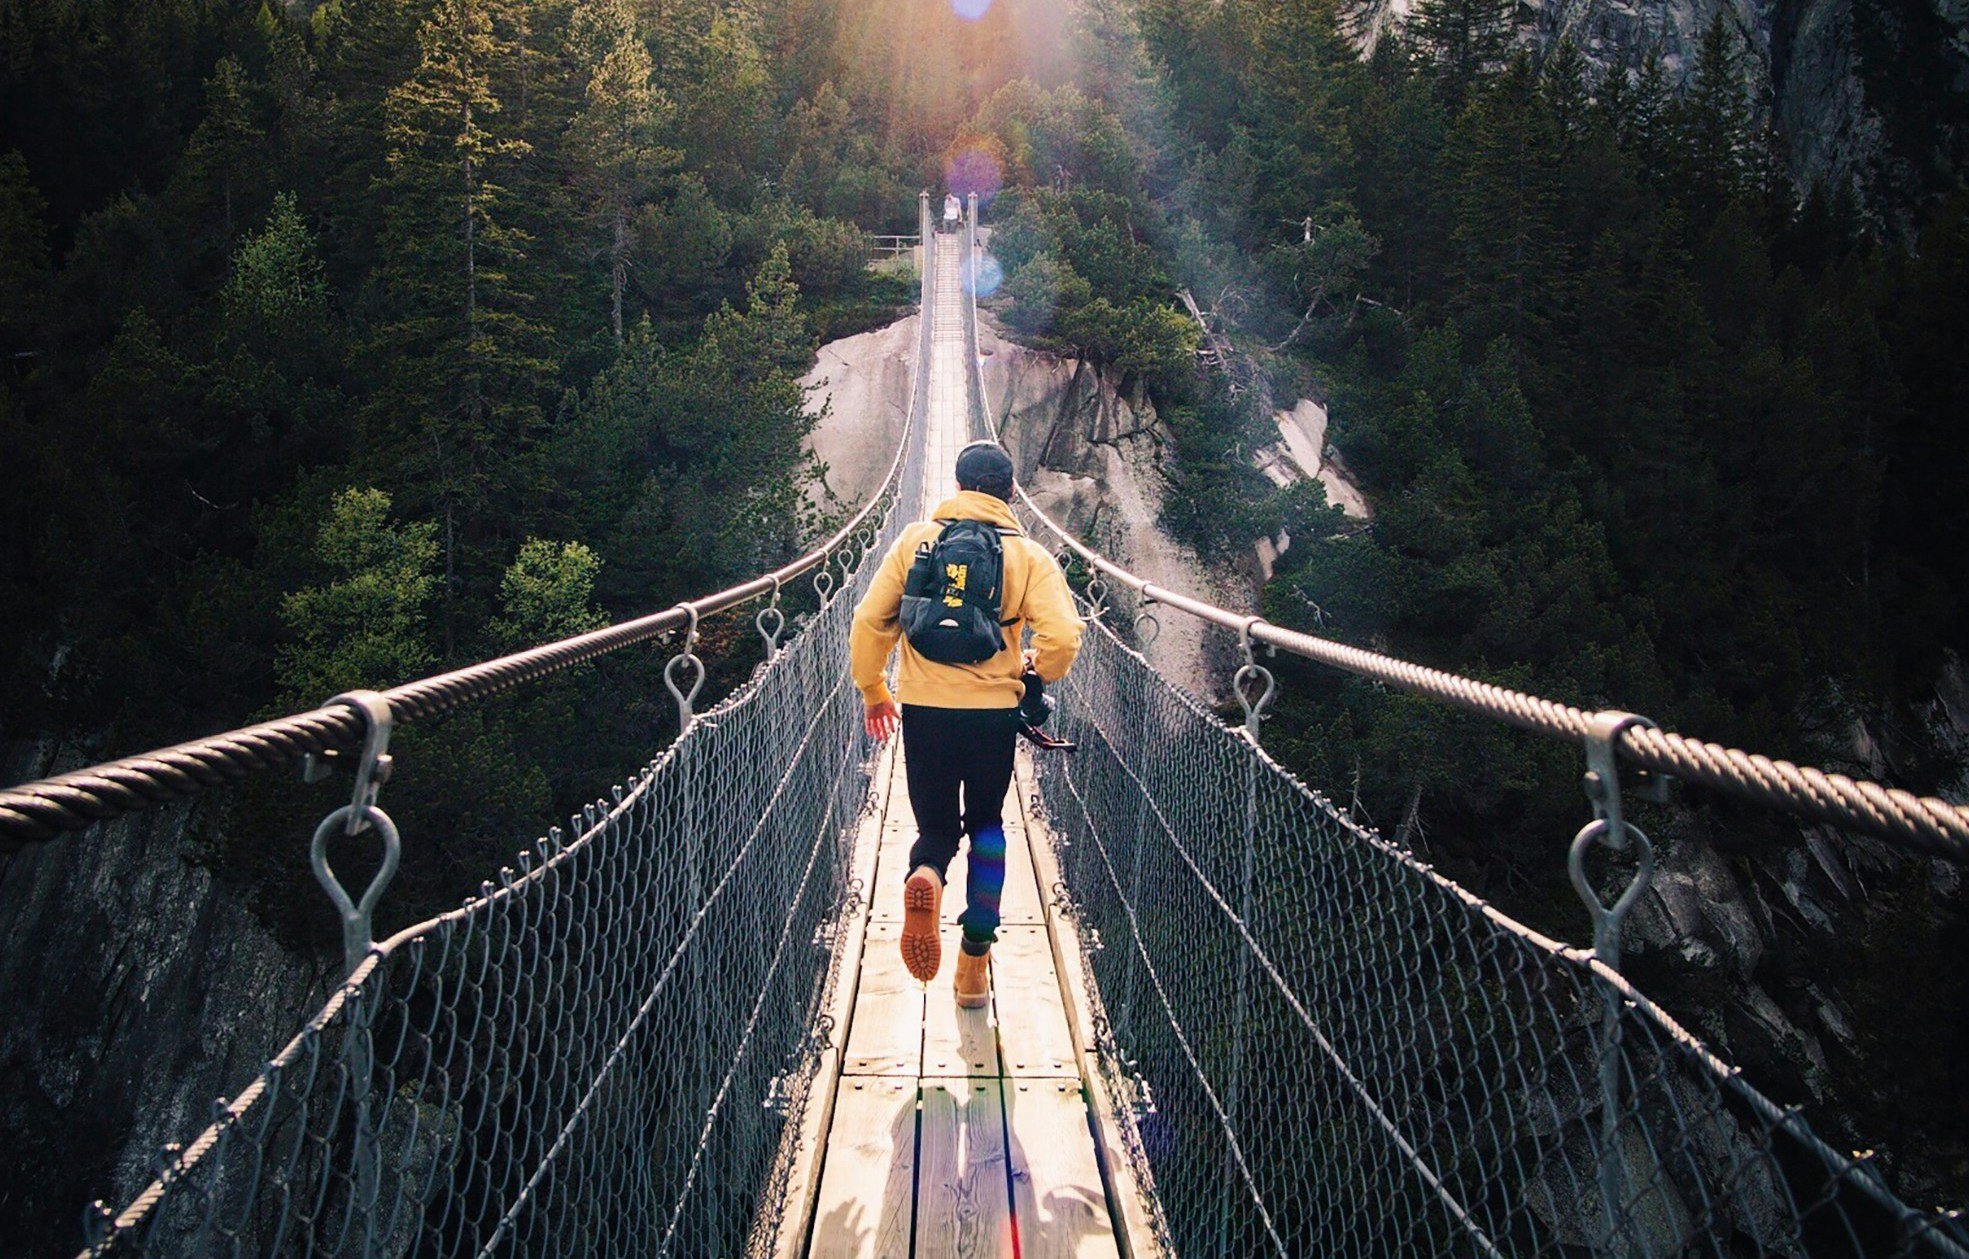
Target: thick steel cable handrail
[
  {"x": 38, "y": 811},
  {"x": 1926, "y": 824}
]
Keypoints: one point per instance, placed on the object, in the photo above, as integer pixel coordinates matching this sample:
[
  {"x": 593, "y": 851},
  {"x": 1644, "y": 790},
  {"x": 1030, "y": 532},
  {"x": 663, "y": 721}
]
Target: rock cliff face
[
  {"x": 137, "y": 991},
  {"x": 1821, "y": 968},
  {"x": 1091, "y": 457},
  {"x": 859, "y": 389},
  {"x": 1869, "y": 93}
]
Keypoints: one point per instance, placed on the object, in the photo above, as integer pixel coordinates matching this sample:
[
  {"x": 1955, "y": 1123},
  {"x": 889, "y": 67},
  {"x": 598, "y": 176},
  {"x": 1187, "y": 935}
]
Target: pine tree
[
  {"x": 1462, "y": 41},
  {"x": 466, "y": 365},
  {"x": 1504, "y": 198},
  {"x": 1565, "y": 89},
  {"x": 227, "y": 151},
  {"x": 276, "y": 279},
  {"x": 365, "y": 625},
  {"x": 617, "y": 161},
  {"x": 1711, "y": 122}
]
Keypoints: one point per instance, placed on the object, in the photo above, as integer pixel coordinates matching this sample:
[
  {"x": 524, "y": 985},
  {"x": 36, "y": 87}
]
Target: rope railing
[
  {"x": 1318, "y": 1045},
  {"x": 39, "y": 811},
  {"x": 1926, "y": 824},
  {"x": 604, "y": 1051}
]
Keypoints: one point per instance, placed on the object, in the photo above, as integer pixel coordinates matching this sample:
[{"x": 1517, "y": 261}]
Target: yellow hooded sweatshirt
[{"x": 1035, "y": 595}]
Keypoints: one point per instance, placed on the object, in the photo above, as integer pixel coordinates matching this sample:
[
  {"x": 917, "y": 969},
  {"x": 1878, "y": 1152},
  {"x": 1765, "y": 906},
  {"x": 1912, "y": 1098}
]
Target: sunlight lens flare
[
  {"x": 990, "y": 276},
  {"x": 973, "y": 169},
  {"x": 970, "y": 10}
]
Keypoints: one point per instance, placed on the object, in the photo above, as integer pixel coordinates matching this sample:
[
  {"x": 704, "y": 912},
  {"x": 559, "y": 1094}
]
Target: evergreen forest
[{"x": 347, "y": 341}]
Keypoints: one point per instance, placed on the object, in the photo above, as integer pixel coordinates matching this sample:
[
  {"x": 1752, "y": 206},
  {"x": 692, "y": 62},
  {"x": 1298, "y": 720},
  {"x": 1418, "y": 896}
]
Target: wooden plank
[
  {"x": 886, "y": 1036},
  {"x": 804, "y": 1146},
  {"x": 894, "y": 867},
  {"x": 962, "y": 1208},
  {"x": 898, "y": 833},
  {"x": 867, "y": 1191},
  {"x": 1033, "y": 1036},
  {"x": 1131, "y": 1195},
  {"x": 1059, "y": 1205},
  {"x": 956, "y": 1041}
]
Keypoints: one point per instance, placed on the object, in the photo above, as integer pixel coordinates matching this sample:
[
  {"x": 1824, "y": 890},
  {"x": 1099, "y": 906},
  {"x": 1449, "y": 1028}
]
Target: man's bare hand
[{"x": 882, "y": 719}]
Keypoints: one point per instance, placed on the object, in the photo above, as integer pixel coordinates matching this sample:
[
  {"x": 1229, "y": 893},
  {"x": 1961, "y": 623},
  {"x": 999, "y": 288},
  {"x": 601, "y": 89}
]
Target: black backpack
[{"x": 954, "y": 594}]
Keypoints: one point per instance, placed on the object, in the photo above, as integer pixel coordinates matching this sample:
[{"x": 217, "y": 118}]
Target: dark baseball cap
[{"x": 985, "y": 466}]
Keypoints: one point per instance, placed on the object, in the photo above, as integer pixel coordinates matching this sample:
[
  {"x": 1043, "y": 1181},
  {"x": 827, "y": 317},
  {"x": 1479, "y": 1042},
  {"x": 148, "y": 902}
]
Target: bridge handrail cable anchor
[
  {"x": 1611, "y": 828},
  {"x": 373, "y": 765},
  {"x": 689, "y": 657},
  {"x": 778, "y": 617},
  {"x": 1252, "y": 671}
]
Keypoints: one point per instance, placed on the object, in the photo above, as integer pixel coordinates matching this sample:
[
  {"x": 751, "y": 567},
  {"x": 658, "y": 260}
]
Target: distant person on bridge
[
  {"x": 957, "y": 592},
  {"x": 953, "y": 212}
]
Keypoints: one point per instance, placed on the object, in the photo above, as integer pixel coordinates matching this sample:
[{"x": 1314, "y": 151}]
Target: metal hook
[
  {"x": 1254, "y": 710},
  {"x": 824, "y": 583},
  {"x": 778, "y": 617},
  {"x": 1244, "y": 641},
  {"x": 688, "y": 656},
  {"x": 1251, "y": 670},
  {"x": 372, "y": 770},
  {"x": 1096, "y": 595},
  {"x": 1611, "y": 827},
  {"x": 1145, "y": 617}
]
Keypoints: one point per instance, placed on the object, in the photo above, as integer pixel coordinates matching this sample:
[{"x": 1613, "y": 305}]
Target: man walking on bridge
[{"x": 957, "y": 592}]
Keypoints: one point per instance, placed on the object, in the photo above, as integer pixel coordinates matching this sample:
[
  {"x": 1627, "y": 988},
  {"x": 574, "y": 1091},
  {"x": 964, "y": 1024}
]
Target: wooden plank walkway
[
  {"x": 939, "y": 1132},
  {"x": 958, "y": 1132}
]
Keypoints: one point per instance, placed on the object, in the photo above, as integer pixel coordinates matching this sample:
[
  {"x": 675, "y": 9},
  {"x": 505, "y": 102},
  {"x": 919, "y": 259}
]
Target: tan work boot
[
  {"x": 973, "y": 973},
  {"x": 922, "y": 919}
]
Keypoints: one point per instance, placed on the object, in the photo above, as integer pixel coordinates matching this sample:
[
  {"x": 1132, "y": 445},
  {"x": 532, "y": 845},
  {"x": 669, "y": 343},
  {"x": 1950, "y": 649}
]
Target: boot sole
[{"x": 922, "y": 950}]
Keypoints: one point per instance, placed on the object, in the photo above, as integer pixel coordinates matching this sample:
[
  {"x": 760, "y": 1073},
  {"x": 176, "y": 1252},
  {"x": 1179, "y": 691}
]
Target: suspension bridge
[{"x": 1226, "y": 1019}]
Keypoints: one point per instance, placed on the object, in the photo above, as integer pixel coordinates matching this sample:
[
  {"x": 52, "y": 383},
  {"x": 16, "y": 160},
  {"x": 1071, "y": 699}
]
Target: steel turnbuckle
[
  {"x": 1251, "y": 671},
  {"x": 685, "y": 659},
  {"x": 1611, "y": 828},
  {"x": 372, "y": 770},
  {"x": 772, "y": 613}
]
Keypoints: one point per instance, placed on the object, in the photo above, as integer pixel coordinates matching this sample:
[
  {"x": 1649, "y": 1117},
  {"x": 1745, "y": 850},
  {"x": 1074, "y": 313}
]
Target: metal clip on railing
[
  {"x": 1145, "y": 616},
  {"x": 774, "y": 614},
  {"x": 688, "y": 657},
  {"x": 372, "y": 769},
  {"x": 1611, "y": 828},
  {"x": 1251, "y": 671}
]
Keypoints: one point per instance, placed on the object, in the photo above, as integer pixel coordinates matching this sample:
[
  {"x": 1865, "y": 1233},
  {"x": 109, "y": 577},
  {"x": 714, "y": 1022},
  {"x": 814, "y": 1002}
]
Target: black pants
[{"x": 945, "y": 751}]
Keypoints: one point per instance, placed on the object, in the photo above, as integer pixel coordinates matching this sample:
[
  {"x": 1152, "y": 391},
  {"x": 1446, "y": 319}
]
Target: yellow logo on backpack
[{"x": 954, "y": 589}]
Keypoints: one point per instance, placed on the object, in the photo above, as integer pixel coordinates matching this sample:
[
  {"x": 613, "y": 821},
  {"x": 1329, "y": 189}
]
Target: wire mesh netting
[
  {"x": 1323, "y": 1047},
  {"x": 602, "y": 1053}
]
